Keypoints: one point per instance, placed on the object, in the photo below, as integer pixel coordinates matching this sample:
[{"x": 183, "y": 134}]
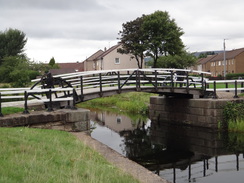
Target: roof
[
  {"x": 95, "y": 55},
  {"x": 228, "y": 54},
  {"x": 73, "y": 65},
  {"x": 109, "y": 50},
  {"x": 100, "y": 54},
  {"x": 207, "y": 59}
]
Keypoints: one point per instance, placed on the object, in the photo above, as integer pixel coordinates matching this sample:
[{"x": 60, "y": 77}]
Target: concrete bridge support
[{"x": 195, "y": 112}]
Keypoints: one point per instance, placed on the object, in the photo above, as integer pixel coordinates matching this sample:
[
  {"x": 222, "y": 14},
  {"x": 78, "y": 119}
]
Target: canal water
[{"x": 176, "y": 153}]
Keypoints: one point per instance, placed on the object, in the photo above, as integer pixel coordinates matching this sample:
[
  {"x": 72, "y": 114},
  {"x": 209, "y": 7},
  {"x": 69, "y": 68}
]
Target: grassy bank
[
  {"x": 234, "y": 116},
  {"x": 11, "y": 110},
  {"x": 132, "y": 103},
  {"x": 36, "y": 155}
]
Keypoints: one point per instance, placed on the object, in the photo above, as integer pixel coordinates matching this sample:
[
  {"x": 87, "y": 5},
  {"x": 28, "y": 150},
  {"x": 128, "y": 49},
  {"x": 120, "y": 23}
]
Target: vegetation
[
  {"x": 37, "y": 156},
  {"x": 12, "y": 43},
  {"x": 11, "y": 110},
  {"x": 234, "y": 116},
  {"x": 235, "y": 76},
  {"x": 151, "y": 35},
  {"x": 129, "y": 103},
  {"x": 179, "y": 61}
]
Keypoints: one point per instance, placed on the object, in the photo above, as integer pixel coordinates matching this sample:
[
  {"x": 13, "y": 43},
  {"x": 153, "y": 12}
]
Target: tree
[
  {"x": 162, "y": 36},
  {"x": 12, "y": 43},
  {"x": 181, "y": 61},
  {"x": 133, "y": 41},
  {"x": 151, "y": 35},
  {"x": 52, "y": 64}
]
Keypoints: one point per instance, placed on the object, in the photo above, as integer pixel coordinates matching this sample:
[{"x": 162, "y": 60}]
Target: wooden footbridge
[{"x": 77, "y": 87}]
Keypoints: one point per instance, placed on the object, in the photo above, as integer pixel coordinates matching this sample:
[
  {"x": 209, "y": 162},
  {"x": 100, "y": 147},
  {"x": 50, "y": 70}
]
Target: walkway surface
[{"x": 126, "y": 165}]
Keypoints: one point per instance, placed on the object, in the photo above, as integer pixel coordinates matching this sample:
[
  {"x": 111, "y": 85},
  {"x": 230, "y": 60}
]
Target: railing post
[
  {"x": 242, "y": 85},
  {"x": 187, "y": 82},
  {"x": 138, "y": 81},
  {"x": 215, "y": 94},
  {"x": 81, "y": 89},
  {"x": 203, "y": 81},
  {"x": 172, "y": 80},
  {"x": 100, "y": 84},
  {"x": 68, "y": 105},
  {"x": 50, "y": 105},
  {"x": 236, "y": 96},
  {"x": 73, "y": 106},
  {"x": 156, "y": 80},
  {"x": 26, "y": 106},
  {"x": 1, "y": 114},
  {"x": 119, "y": 89}
]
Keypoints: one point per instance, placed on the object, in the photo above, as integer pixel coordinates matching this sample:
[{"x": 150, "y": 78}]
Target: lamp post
[{"x": 224, "y": 60}]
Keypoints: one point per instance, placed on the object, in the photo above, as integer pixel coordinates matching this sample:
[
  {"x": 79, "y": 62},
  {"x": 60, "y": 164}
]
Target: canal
[{"x": 178, "y": 154}]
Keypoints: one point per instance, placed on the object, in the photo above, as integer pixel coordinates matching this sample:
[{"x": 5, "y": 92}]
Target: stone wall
[
  {"x": 63, "y": 119},
  {"x": 195, "y": 112}
]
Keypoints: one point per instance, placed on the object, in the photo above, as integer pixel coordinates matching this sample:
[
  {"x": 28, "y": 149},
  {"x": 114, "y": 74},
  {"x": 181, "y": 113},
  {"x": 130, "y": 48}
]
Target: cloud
[{"x": 72, "y": 30}]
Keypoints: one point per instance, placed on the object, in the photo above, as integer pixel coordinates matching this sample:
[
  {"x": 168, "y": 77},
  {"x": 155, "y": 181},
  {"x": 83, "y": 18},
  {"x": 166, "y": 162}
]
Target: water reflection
[{"x": 178, "y": 154}]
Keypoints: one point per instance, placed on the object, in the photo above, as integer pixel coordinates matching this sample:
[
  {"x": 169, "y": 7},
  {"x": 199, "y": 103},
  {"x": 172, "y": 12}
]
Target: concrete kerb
[{"x": 126, "y": 165}]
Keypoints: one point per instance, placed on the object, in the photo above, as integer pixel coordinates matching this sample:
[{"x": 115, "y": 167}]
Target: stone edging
[{"x": 128, "y": 166}]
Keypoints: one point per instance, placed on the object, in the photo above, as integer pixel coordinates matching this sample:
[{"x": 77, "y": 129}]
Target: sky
[{"x": 72, "y": 30}]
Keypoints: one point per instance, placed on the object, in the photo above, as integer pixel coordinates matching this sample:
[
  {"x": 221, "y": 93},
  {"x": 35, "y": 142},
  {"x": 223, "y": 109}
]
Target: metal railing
[
  {"x": 25, "y": 94},
  {"x": 138, "y": 78},
  {"x": 234, "y": 86}
]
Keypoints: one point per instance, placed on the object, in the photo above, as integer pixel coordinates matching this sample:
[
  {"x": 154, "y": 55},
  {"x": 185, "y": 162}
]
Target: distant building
[
  {"x": 215, "y": 63},
  {"x": 110, "y": 59},
  {"x": 65, "y": 68}
]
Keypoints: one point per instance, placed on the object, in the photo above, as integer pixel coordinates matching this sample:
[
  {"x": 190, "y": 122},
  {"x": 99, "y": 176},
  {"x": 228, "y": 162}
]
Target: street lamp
[{"x": 224, "y": 60}]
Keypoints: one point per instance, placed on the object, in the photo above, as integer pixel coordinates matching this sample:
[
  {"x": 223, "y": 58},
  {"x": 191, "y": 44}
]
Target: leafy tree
[
  {"x": 52, "y": 63},
  {"x": 152, "y": 35},
  {"x": 12, "y": 43},
  {"x": 181, "y": 61},
  {"x": 162, "y": 35},
  {"x": 17, "y": 70},
  {"x": 133, "y": 41}
]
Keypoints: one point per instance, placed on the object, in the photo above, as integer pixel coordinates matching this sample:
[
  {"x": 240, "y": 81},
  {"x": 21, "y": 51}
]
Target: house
[
  {"x": 203, "y": 64},
  {"x": 65, "y": 68},
  {"x": 110, "y": 59},
  {"x": 215, "y": 63},
  {"x": 234, "y": 62}
]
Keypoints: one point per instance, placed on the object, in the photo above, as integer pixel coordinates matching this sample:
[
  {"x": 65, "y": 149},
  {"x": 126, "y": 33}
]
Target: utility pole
[{"x": 224, "y": 61}]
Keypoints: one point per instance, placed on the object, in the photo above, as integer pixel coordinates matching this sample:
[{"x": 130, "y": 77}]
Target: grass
[
  {"x": 132, "y": 103},
  {"x": 11, "y": 110},
  {"x": 236, "y": 126},
  {"x": 37, "y": 156}
]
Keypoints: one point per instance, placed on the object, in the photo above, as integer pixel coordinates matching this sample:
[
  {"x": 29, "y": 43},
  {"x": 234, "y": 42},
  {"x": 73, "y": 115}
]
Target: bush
[{"x": 235, "y": 76}]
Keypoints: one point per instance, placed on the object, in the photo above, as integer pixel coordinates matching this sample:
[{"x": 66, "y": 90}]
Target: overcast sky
[{"x": 72, "y": 30}]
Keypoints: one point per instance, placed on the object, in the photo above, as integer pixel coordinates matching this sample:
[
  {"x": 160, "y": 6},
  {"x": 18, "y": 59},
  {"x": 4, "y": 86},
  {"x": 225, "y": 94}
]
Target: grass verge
[
  {"x": 37, "y": 156},
  {"x": 11, "y": 110},
  {"x": 133, "y": 103}
]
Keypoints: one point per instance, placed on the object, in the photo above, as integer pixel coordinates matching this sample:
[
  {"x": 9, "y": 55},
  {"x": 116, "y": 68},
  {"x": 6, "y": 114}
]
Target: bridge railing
[
  {"x": 25, "y": 95},
  {"x": 233, "y": 86},
  {"x": 137, "y": 78}
]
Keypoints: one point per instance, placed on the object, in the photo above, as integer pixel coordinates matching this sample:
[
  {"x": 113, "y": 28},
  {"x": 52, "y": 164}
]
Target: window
[
  {"x": 219, "y": 62},
  {"x": 117, "y": 61}
]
